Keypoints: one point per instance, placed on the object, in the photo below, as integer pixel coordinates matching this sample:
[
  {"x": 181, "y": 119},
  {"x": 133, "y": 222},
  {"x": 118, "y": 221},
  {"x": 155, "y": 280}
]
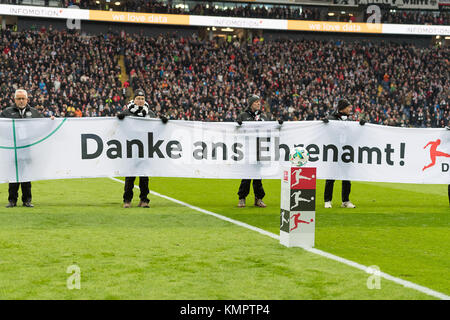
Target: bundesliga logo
[{"x": 434, "y": 153}]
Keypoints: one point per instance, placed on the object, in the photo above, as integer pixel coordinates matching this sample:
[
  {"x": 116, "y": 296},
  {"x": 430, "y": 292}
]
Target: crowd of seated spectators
[
  {"x": 415, "y": 17},
  {"x": 209, "y": 80},
  {"x": 261, "y": 11},
  {"x": 257, "y": 11}
]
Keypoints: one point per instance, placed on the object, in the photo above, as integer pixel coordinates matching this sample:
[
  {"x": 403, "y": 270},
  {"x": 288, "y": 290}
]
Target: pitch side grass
[{"x": 172, "y": 252}]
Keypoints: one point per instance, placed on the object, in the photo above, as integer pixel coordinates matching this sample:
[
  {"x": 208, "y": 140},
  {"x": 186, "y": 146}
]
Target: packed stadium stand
[
  {"x": 209, "y": 80},
  {"x": 252, "y": 10}
]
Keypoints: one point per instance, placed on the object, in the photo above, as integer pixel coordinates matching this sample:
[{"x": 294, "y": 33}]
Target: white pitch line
[{"x": 324, "y": 254}]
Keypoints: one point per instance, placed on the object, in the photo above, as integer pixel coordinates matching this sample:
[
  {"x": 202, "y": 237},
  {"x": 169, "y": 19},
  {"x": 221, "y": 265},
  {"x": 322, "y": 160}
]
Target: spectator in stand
[
  {"x": 209, "y": 80},
  {"x": 293, "y": 11}
]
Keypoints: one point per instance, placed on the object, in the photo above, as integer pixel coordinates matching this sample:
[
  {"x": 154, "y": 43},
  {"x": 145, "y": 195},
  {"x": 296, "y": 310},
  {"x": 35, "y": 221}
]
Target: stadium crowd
[
  {"x": 194, "y": 79},
  {"x": 253, "y": 10},
  {"x": 415, "y": 17},
  {"x": 263, "y": 11}
]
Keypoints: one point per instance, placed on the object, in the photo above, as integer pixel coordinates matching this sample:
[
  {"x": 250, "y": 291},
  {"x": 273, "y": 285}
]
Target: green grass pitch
[{"x": 172, "y": 252}]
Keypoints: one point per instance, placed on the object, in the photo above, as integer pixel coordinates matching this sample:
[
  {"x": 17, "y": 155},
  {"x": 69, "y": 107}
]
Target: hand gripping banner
[{"x": 39, "y": 149}]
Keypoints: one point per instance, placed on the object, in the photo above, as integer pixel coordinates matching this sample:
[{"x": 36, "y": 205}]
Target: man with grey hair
[{"x": 21, "y": 109}]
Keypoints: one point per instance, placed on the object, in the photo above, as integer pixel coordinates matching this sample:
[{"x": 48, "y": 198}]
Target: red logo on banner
[
  {"x": 303, "y": 178},
  {"x": 297, "y": 221},
  {"x": 286, "y": 175},
  {"x": 434, "y": 153}
]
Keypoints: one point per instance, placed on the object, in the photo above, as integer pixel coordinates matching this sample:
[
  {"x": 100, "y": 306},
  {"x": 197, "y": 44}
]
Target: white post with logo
[{"x": 298, "y": 207}]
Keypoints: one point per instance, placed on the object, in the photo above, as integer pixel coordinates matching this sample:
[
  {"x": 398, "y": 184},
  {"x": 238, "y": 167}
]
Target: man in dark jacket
[
  {"x": 344, "y": 108},
  {"x": 252, "y": 113},
  {"x": 138, "y": 108},
  {"x": 21, "y": 109}
]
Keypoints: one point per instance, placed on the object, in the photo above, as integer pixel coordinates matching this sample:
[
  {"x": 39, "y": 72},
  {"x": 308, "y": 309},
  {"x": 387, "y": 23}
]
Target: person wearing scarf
[
  {"x": 138, "y": 107},
  {"x": 252, "y": 113},
  {"x": 344, "y": 109}
]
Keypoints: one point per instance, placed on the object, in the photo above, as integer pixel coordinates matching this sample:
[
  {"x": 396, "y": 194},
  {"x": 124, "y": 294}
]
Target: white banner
[
  {"x": 37, "y": 149},
  {"x": 428, "y": 30},
  {"x": 232, "y": 22},
  {"x": 44, "y": 12}
]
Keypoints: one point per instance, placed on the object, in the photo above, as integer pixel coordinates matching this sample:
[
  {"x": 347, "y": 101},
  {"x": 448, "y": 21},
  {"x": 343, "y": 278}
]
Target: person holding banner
[
  {"x": 448, "y": 128},
  {"x": 252, "y": 113},
  {"x": 138, "y": 108},
  {"x": 344, "y": 108},
  {"x": 21, "y": 109}
]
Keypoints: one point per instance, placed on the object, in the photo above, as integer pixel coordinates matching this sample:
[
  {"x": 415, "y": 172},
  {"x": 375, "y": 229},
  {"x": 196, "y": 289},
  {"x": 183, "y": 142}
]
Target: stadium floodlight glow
[
  {"x": 342, "y": 12},
  {"x": 331, "y": 14},
  {"x": 97, "y": 2},
  {"x": 227, "y": 29},
  {"x": 447, "y": 38},
  {"x": 117, "y": 3},
  {"x": 214, "y": 29},
  {"x": 438, "y": 37}
]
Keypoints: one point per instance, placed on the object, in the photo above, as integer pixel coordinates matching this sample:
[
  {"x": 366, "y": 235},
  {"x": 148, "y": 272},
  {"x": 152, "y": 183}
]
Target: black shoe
[
  {"x": 11, "y": 205},
  {"x": 143, "y": 204},
  {"x": 28, "y": 204}
]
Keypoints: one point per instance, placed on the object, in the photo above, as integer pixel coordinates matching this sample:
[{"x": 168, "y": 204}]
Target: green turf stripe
[
  {"x": 37, "y": 142},
  {"x": 429, "y": 189},
  {"x": 15, "y": 150}
]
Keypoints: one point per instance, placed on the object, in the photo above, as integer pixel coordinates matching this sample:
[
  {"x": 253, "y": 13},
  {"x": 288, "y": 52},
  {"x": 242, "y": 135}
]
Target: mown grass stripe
[{"x": 321, "y": 253}]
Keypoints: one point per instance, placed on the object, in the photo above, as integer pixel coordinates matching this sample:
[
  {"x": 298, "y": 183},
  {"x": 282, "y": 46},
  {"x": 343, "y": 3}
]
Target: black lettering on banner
[
  {"x": 389, "y": 151},
  {"x": 349, "y": 156},
  {"x": 200, "y": 154},
  {"x": 84, "y": 154},
  {"x": 325, "y": 152},
  {"x": 278, "y": 147},
  {"x": 152, "y": 148},
  {"x": 239, "y": 154},
  {"x": 445, "y": 167},
  {"x": 214, "y": 150},
  {"x": 313, "y": 149},
  {"x": 139, "y": 144},
  {"x": 174, "y": 146},
  {"x": 260, "y": 148},
  {"x": 402, "y": 153},
  {"x": 114, "y": 153},
  {"x": 369, "y": 151}
]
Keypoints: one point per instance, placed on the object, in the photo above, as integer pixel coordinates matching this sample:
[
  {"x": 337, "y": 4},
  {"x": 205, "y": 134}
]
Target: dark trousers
[
  {"x": 14, "y": 192},
  {"x": 244, "y": 189},
  {"x": 129, "y": 186},
  {"x": 449, "y": 194},
  {"x": 346, "y": 187}
]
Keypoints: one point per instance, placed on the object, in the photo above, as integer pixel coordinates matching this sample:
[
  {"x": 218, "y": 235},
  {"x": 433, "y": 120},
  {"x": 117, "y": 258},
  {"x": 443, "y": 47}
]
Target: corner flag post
[{"x": 298, "y": 207}]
